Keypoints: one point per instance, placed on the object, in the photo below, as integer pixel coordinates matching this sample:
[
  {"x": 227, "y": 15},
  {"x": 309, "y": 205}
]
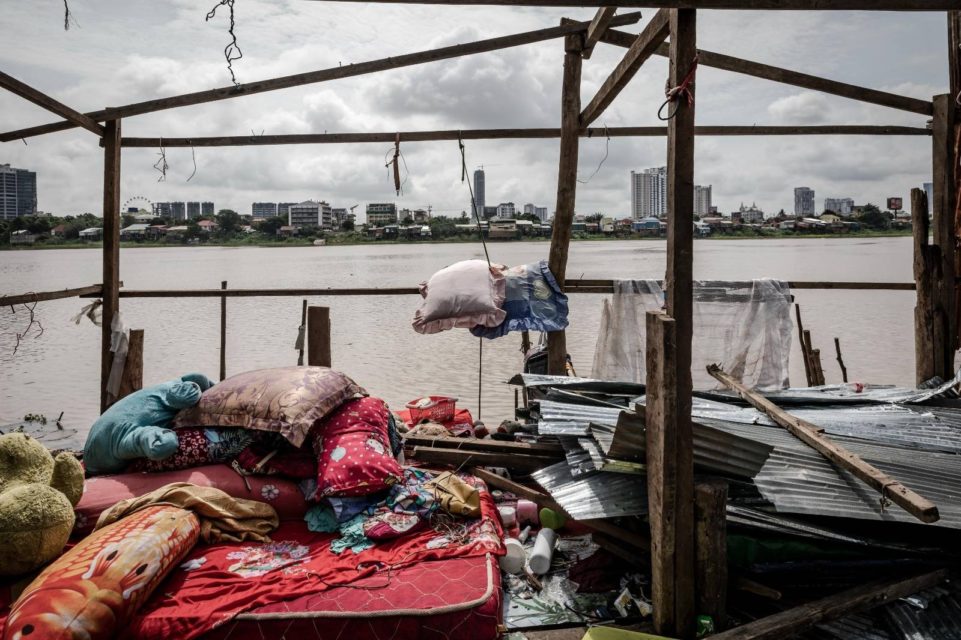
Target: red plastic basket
[{"x": 440, "y": 409}]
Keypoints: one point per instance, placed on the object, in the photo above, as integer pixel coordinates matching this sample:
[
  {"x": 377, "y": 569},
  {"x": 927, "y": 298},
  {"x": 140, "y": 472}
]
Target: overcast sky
[{"x": 122, "y": 51}]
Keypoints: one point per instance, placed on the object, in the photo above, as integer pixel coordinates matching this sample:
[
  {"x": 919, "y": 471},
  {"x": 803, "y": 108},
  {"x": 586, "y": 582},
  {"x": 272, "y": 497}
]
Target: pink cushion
[
  {"x": 465, "y": 294},
  {"x": 102, "y": 492},
  {"x": 286, "y": 400},
  {"x": 353, "y": 451}
]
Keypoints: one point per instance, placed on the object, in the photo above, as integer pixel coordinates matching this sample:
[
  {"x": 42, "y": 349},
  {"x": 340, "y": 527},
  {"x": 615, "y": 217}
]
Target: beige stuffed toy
[{"x": 37, "y": 496}]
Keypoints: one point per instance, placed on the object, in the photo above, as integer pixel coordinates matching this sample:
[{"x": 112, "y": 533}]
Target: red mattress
[{"x": 456, "y": 598}]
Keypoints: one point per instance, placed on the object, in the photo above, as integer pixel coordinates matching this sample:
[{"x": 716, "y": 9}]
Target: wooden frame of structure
[{"x": 669, "y": 448}]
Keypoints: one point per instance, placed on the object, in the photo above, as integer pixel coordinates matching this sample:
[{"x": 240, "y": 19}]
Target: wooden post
[
  {"x": 223, "y": 332},
  {"x": 566, "y": 188},
  {"x": 132, "y": 379},
  {"x": 302, "y": 333},
  {"x": 710, "y": 530},
  {"x": 837, "y": 350},
  {"x": 111, "y": 248},
  {"x": 669, "y": 483},
  {"x": 943, "y": 229},
  {"x": 926, "y": 261},
  {"x": 318, "y": 337},
  {"x": 804, "y": 348},
  {"x": 670, "y": 475}
]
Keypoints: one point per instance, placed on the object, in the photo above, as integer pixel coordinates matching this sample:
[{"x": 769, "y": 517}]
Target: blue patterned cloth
[{"x": 534, "y": 302}]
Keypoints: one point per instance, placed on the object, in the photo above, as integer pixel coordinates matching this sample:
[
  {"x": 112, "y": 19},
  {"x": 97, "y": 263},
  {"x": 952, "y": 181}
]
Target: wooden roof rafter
[
  {"x": 323, "y": 75},
  {"x": 41, "y": 99},
  {"x": 763, "y": 5}
]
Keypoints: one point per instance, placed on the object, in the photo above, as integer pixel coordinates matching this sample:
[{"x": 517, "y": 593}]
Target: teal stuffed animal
[{"x": 136, "y": 426}]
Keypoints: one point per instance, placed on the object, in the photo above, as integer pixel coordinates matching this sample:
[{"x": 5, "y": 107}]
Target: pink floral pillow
[{"x": 353, "y": 451}]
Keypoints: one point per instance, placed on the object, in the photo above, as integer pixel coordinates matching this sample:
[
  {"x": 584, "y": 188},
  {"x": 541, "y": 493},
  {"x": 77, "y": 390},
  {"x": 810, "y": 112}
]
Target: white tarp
[{"x": 744, "y": 326}]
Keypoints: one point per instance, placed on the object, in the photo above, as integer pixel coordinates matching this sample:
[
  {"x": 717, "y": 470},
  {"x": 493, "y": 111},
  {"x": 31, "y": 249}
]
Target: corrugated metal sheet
[
  {"x": 563, "y": 419},
  {"x": 938, "y": 617},
  {"x": 601, "y": 495},
  {"x": 797, "y": 479}
]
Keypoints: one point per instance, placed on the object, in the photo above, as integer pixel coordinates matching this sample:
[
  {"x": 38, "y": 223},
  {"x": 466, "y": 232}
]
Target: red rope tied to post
[{"x": 682, "y": 90}]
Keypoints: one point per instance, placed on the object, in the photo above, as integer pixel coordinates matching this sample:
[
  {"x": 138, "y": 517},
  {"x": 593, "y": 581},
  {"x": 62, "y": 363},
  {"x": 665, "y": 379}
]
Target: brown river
[{"x": 372, "y": 338}]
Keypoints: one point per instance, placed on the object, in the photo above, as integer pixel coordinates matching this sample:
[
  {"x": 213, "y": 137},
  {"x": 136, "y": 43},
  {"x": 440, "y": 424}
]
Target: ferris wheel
[{"x": 139, "y": 202}]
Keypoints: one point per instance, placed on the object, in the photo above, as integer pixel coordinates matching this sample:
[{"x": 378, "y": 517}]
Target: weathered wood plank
[
  {"x": 521, "y": 134},
  {"x": 493, "y": 446},
  {"x": 223, "y": 332},
  {"x": 318, "y": 337},
  {"x": 323, "y": 75},
  {"x": 924, "y": 264},
  {"x": 772, "y": 5},
  {"x": 566, "y": 189},
  {"x": 943, "y": 230},
  {"x": 461, "y": 458},
  {"x": 43, "y": 296},
  {"x": 132, "y": 379},
  {"x": 111, "y": 248},
  {"x": 41, "y": 99},
  {"x": 787, "y": 76},
  {"x": 799, "y": 619},
  {"x": 643, "y": 47},
  {"x": 812, "y": 435},
  {"x": 710, "y": 556},
  {"x": 600, "y": 23}
]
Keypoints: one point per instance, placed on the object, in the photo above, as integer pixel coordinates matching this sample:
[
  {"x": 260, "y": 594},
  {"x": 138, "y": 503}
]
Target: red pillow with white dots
[{"x": 353, "y": 451}]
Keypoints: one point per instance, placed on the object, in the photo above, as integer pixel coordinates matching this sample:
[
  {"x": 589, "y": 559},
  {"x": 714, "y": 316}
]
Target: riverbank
[{"x": 356, "y": 240}]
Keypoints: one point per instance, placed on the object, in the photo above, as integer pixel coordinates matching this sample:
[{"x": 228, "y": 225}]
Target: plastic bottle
[{"x": 540, "y": 560}]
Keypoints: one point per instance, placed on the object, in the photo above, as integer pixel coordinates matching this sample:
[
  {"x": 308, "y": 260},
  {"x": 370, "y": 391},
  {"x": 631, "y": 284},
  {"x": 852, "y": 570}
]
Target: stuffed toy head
[
  {"x": 136, "y": 426},
  {"x": 37, "y": 496}
]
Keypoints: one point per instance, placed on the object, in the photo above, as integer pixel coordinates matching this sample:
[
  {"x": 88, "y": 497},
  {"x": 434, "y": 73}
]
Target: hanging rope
[
  {"x": 393, "y": 166},
  {"x": 473, "y": 203},
  {"x": 682, "y": 90},
  {"x": 193, "y": 156},
  {"x": 607, "y": 150},
  {"x": 232, "y": 50},
  {"x": 161, "y": 164}
]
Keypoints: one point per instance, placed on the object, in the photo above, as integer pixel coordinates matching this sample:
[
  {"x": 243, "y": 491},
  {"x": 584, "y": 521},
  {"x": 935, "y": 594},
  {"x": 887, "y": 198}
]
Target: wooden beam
[
  {"x": 786, "y": 76},
  {"x": 944, "y": 231},
  {"x": 812, "y": 435},
  {"x": 800, "y": 619},
  {"x": 111, "y": 249},
  {"x": 132, "y": 379},
  {"x": 29, "y": 298},
  {"x": 772, "y": 5},
  {"x": 570, "y": 286},
  {"x": 522, "y": 134},
  {"x": 492, "y": 446},
  {"x": 223, "y": 332},
  {"x": 323, "y": 75},
  {"x": 318, "y": 337},
  {"x": 461, "y": 458},
  {"x": 710, "y": 556},
  {"x": 41, "y": 99},
  {"x": 640, "y": 50},
  {"x": 926, "y": 261},
  {"x": 672, "y": 557},
  {"x": 600, "y": 23},
  {"x": 566, "y": 189}
]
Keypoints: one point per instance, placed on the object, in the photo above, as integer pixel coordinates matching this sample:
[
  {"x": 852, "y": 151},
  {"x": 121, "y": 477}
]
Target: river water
[{"x": 372, "y": 338}]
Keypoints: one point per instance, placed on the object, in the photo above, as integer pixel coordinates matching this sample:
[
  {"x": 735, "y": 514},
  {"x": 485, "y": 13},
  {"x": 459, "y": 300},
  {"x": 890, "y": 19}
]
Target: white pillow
[{"x": 465, "y": 294}]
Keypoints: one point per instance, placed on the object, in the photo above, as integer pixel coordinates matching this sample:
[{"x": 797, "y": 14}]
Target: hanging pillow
[
  {"x": 287, "y": 400},
  {"x": 533, "y": 302},
  {"x": 465, "y": 294}
]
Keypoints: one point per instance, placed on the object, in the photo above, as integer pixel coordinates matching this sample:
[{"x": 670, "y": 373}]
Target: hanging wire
[
  {"x": 193, "y": 156},
  {"x": 675, "y": 94},
  {"x": 607, "y": 150},
  {"x": 161, "y": 164},
  {"x": 473, "y": 203},
  {"x": 232, "y": 50}
]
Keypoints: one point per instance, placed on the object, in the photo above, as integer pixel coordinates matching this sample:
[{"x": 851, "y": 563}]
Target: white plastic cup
[
  {"x": 508, "y": 516},
  {"x": 540, "y": 561},
  {"x": 513, "y": 562}
]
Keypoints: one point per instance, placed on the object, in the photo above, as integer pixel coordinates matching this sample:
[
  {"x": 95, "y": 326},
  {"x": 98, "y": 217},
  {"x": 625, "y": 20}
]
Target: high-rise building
[
  {"x": 178, "y": 211},
  {"x": 506, "y": 210},
  {"x": 649, "y": 193},
  {"x": 18, "y": 192},
  {"x": 840, "y": 206},
  {"x": 702, "y": 200},
  {"x": 479, "y": 190},
  {"x": 803, "y": 201},
  {"x": 193, "y": 210},
  {"x": 337, "y": 217},
  {"x": 261, "y": 210},
  {"x": 310, "y": 214},
  {"x": 541, "y": 212},
  {"x": 161, "y": 209},
  {"x": 207, "y": 208},
  {"x": 381, "y": 213},
  {"x": 283, "y": 208}
]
